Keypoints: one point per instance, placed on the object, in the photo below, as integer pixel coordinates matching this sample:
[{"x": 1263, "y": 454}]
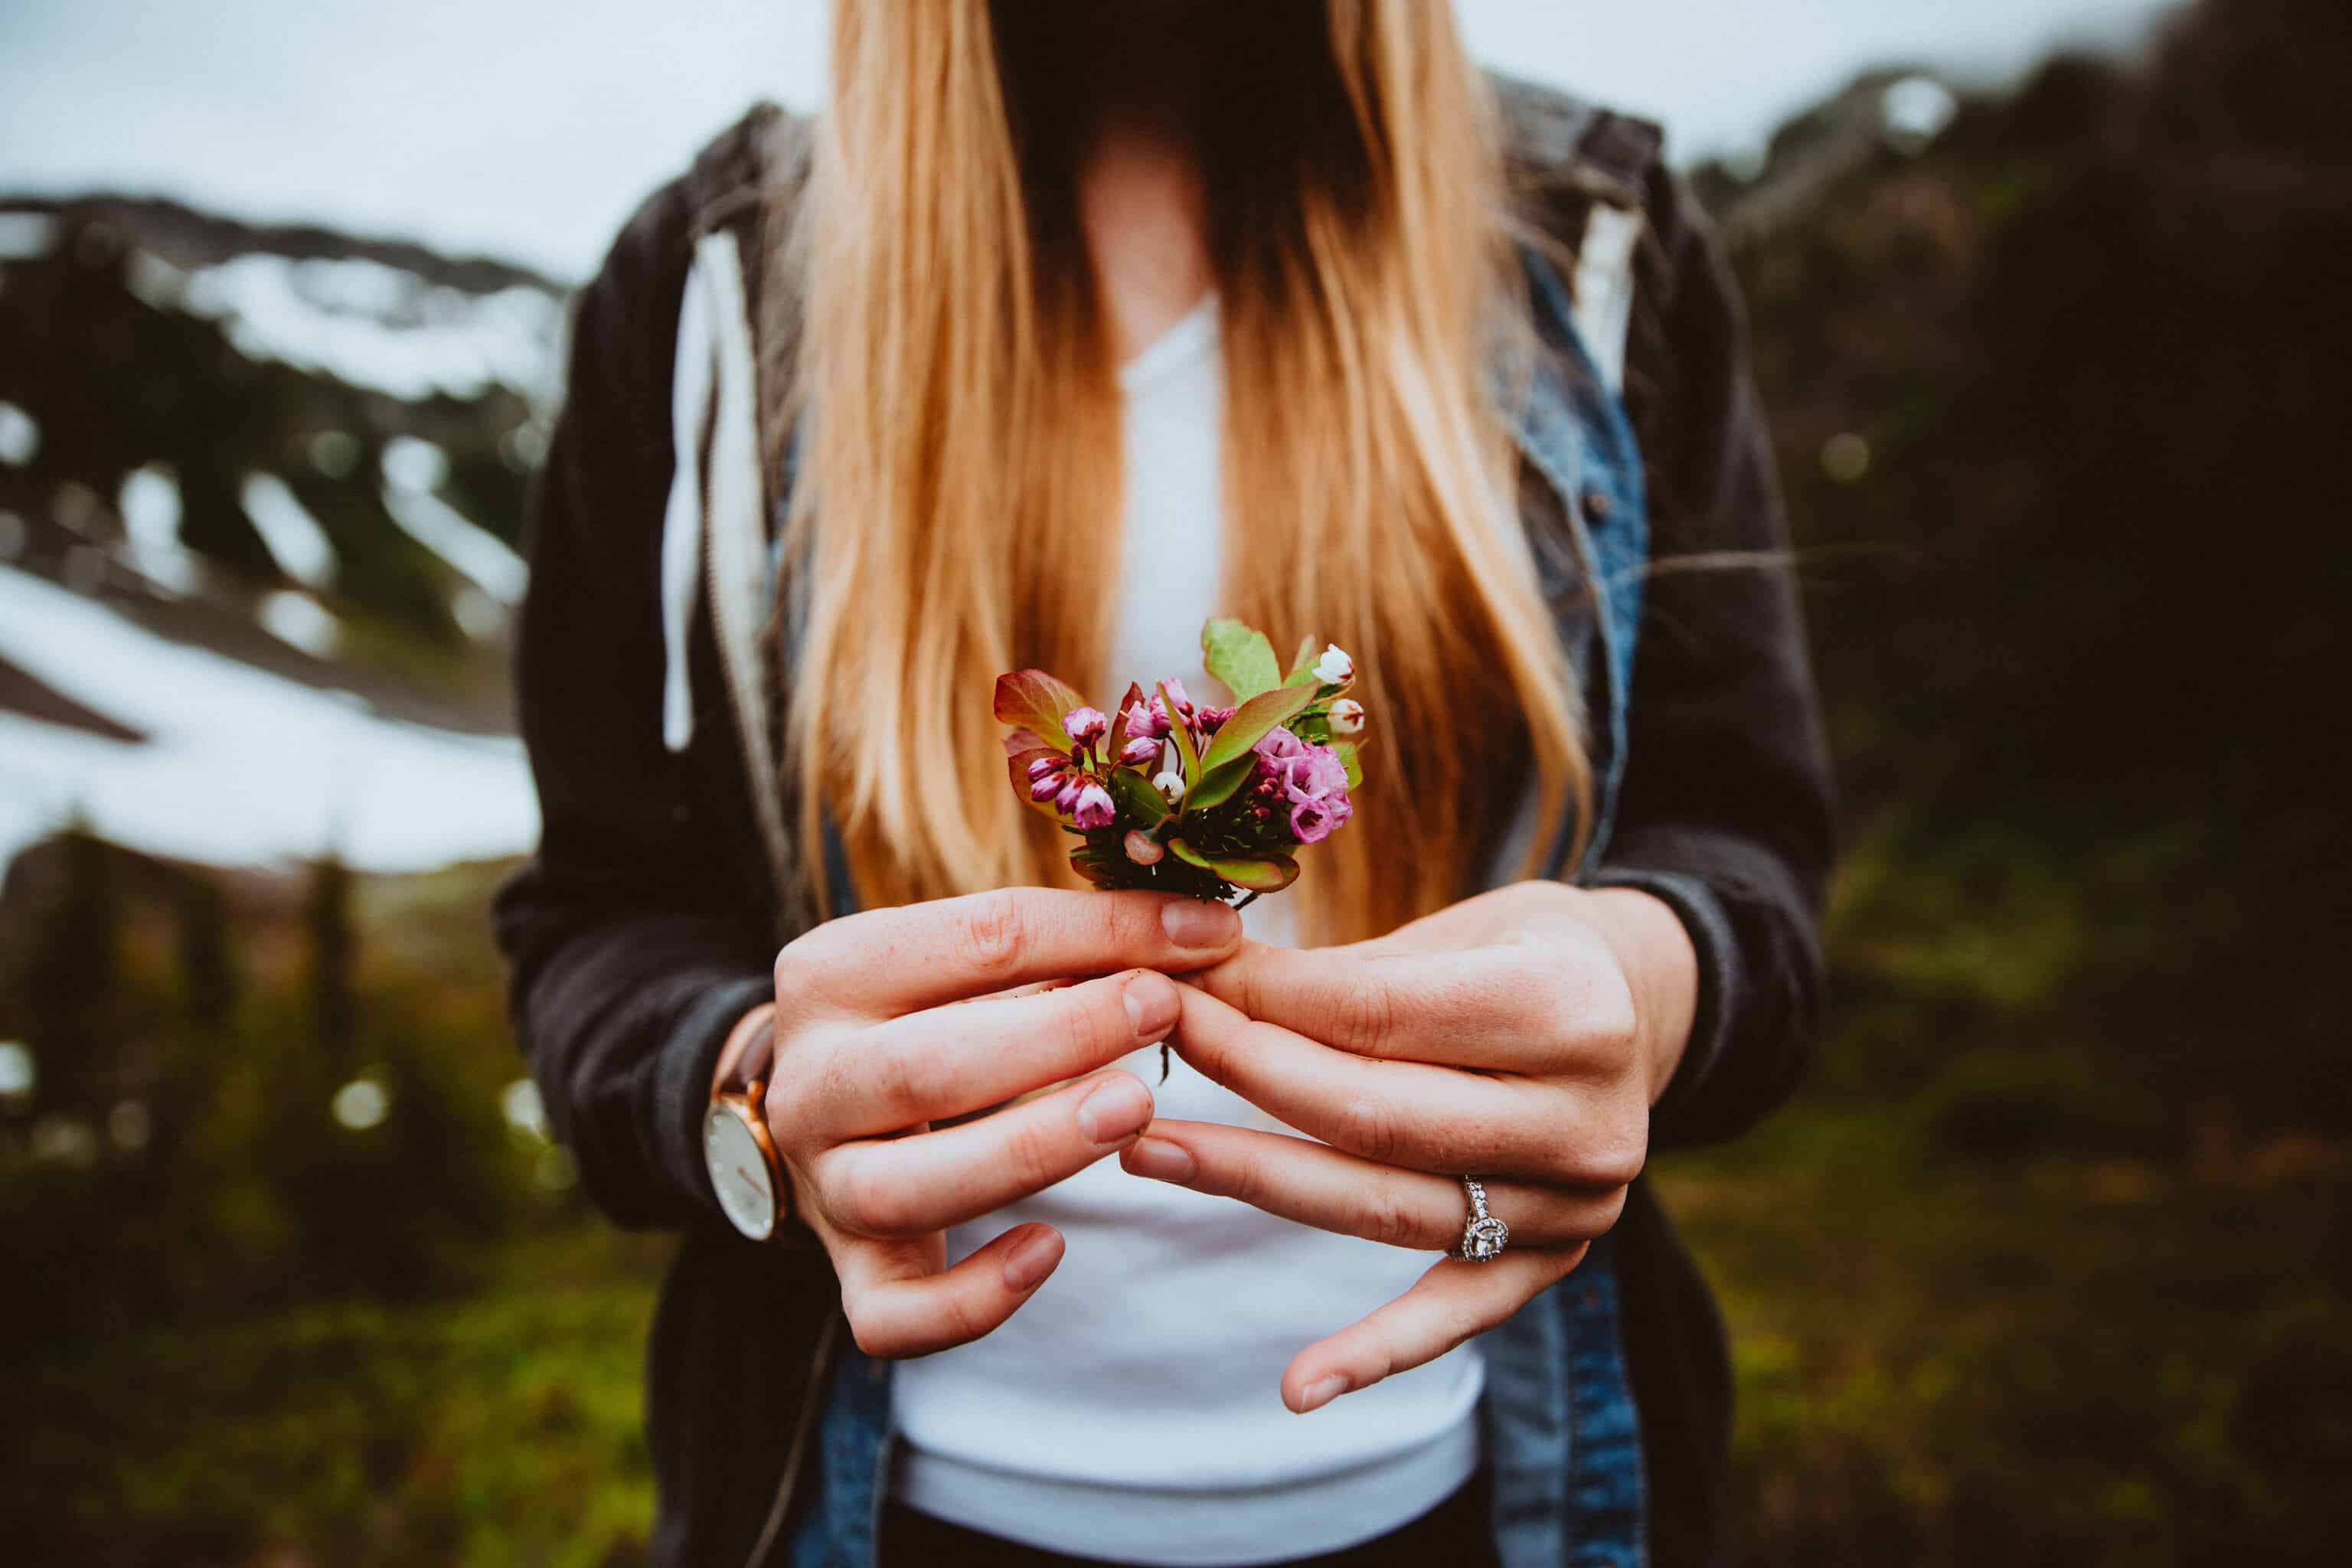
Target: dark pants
[{"x": 1457, "y": 1531}]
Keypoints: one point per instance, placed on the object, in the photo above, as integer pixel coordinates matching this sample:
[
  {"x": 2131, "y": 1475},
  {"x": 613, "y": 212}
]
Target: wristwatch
[{"x": 741, "y": 1158}]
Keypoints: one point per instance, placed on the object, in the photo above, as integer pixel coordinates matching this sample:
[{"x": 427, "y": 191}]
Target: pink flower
[
  {"x": 1086, "y": 725},
  {"x": 1314, "y": 773},
  {"x": 1142, "y": 848},
  {"x": 1044, "y": 765},
  {"x": 1145, "y": 718},
  {"x": 1066, "y": 800},
  {"x": 1046, "y": 786},
  {"x": 1140, "y": 751},
  {"x": 1149, "y": 717},
  {"x": 1209, "y": 720},
  {"x": 1276, "y": 744},
  {"x": 1094, "y": 808},
  {"x": 1315, "y": 782},
  {"x": 1313, "y": 821}
]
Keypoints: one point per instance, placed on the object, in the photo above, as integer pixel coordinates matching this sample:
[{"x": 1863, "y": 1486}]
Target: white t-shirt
[{"x": 1132, "y": 1407}]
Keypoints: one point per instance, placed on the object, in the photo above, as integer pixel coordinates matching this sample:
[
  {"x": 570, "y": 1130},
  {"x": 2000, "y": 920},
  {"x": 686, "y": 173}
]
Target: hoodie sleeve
[
  {"x": 1726, "y": 811},
  {"x": 631, "y": 943}
]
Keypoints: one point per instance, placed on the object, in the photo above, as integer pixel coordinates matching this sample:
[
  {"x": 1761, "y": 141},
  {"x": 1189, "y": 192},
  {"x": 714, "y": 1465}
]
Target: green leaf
[
  {"x": 1252, "y": 719},
  {"x": 1135, "y": 797},
  {"x": 1347, "y": 749},
  {"x": 1239, "y": 655},
  {"x": 1255, "y": 873},
  {"x": 1181, "y": 733},
  {"x": 1033, "y": 699},
  {"x": 1302, "y": 668},
  {"x": 1218, "y": 783}
]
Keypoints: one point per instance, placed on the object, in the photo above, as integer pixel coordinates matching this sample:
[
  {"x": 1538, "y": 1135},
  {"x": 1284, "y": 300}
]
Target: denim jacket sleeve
[{"x": 1725, "y": 810}]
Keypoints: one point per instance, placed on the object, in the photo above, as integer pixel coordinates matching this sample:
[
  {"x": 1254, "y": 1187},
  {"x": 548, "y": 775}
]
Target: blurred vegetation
[{"x": 2051, "y": 1262}]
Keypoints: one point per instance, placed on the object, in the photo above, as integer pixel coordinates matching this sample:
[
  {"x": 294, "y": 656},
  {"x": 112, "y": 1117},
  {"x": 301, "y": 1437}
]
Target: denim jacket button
[{"x": 1596, "y": 506}]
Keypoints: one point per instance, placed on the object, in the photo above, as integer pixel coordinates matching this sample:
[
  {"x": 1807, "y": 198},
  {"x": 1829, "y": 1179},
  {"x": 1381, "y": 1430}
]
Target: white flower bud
[
  {"x": 1170, "y": 786},
  {"x": 1346, "y": 718},
  {"x": 1335, "y": 667}
]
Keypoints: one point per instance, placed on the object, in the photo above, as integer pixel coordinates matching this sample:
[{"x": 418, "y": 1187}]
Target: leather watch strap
[{"x": 750, "y": 1051}]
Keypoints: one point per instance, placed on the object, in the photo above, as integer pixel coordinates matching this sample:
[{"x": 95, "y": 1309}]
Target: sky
[{"x": 529, "y": 129}]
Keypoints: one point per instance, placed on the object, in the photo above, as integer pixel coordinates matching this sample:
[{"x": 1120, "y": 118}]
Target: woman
[{"x": 1066, "y": 326}]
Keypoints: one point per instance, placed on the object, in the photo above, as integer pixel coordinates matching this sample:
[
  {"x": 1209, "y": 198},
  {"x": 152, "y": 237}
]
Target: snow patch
[
  {"x": 240, "y": 767},
  {"x": 27, "y": 237},
  {"x": 298, "y": 621},
  {"x": 20, "y": 435},
  {"x": 295, "y": 542},
  {"x": 149, "y": 504},
  {"x": 1916, "y": 109},
  {"x": 413, "y": 469},
  {"x": 368, "y": 324}
]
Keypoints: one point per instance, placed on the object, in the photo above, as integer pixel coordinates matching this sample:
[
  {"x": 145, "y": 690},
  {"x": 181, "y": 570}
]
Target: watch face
[{"x": 739, "y": 1171}]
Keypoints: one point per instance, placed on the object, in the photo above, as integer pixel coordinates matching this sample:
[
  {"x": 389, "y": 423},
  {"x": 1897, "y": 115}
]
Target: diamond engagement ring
[{"x": 1482, "y": 1236}]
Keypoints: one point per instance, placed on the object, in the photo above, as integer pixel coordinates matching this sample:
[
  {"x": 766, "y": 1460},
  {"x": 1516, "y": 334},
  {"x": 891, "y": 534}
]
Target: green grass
[
  {"x": 501, "y": 1428},
  {"x": 1995, "y": 1296},
  {"x": 2061, "y": 1359},
  {"x": 2066, "y": 1361}
]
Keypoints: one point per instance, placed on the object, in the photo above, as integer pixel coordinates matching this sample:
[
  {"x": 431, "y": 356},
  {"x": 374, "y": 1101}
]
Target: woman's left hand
[{"x": 1518, "y": 1037}]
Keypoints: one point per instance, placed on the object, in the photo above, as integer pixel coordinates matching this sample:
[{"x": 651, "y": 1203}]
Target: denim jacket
[{"x": 1561, "y": 1437}]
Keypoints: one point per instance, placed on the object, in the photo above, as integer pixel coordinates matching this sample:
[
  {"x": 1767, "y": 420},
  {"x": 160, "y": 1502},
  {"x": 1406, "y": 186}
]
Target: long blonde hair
[{"x": 959, "y": 505}]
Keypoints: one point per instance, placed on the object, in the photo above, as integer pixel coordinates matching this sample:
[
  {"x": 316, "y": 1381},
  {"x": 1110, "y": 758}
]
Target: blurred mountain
[
  {"x": 2050, "y": 373},
  {"x": 302, "y": 450}
]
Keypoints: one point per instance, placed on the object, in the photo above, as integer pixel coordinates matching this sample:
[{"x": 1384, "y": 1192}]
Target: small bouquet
[{"x": 1180, "y": 797}]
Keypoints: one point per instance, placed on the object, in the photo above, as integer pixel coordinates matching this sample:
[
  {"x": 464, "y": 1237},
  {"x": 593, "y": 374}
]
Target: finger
[
  {"x": 883, "y": 963},
  {"x": 1474, "y": 1008},
  {"x": 944, "y": 1061},
  {"x": 1336, "y": 1190},
  {"x": 910, "y": 1186},
  {"x": 1452, "y": 1302},
  {"x": 900, "y": 1303},
  {"x": 1393, "y": 1114}
]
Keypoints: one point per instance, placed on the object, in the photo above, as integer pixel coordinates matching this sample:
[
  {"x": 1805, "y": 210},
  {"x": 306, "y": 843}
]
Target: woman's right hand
[{"x": 890, "y": 1020}]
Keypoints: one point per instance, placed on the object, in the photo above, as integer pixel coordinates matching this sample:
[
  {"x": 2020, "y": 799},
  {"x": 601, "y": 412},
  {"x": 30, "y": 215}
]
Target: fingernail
[
  {"x": 1320, "y": 1393},
  {"x": 1117, "y": 1110},
  {"x": 1151, "y": 1003},
  {"x": 1190, "y": 922},
  {"x": 1032, "y": 1258},
  {"x": 1159, "y": 1159}
]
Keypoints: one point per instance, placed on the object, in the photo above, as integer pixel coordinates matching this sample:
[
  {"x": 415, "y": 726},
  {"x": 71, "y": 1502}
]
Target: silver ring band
[{"x": 1482, "y": 1236}]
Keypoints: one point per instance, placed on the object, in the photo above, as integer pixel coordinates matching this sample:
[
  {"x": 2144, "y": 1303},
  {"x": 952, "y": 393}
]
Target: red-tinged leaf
[
  {"x": 1033, "y": 699},
  {"x": 1253, "y": 720},
  {"x": 1019, "y": 741},
  {"x": 1118, "y": 736},
  {"x": 1017, "y": 767},
  {"x": 1253, "y": 873}
]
